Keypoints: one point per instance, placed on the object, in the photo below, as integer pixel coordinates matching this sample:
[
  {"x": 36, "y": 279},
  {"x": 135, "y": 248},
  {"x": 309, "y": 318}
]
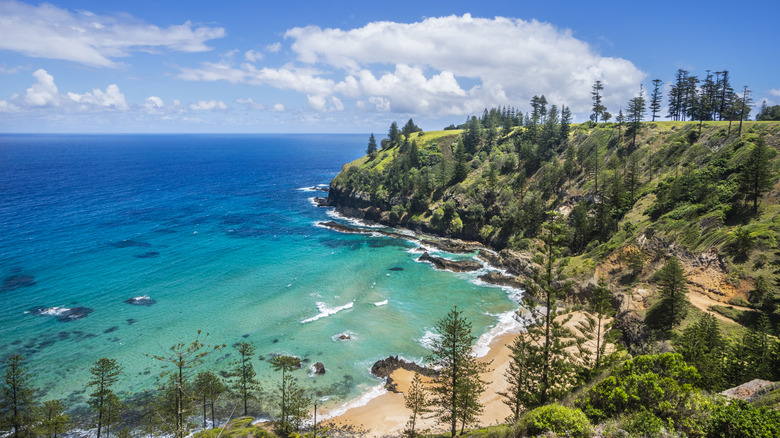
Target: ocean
[{"x": 120, "y": 246}]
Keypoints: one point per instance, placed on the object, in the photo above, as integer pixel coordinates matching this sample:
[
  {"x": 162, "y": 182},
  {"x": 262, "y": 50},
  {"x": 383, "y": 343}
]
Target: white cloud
[
  {"x": 250, "y": 104},
  {"x": 46, "y": 31},
  {"x": 209, "y": 105},
  {"x": 278, "y": 108},
  {"x": 253, "y": 56},
  {"x": 302, "y": 80},
  {"x": 44, "y": 92},
  {"x": 10, "y": 70},
  {"x": 274, "y": 48},
  {"x": 775, "y": 92},
  {"x": 512, "y": 59},
  {"x": 112, "y": 97},
  {"x": 7, "y": 107}
]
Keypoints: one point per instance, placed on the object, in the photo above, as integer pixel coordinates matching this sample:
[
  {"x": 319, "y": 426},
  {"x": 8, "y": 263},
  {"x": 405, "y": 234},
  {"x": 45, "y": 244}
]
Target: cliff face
[{"x": 679, "y": 190}]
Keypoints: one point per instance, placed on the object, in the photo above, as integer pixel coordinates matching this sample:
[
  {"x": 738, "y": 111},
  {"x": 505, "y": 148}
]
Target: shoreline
[
  {"x": 386, "y": 414},
  {"x": 379, "y": 412}
]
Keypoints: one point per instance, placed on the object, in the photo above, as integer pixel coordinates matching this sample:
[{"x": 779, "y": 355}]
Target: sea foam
[
  {"x": 363, "y": 400},
  {"x": 326, "y": 311}
]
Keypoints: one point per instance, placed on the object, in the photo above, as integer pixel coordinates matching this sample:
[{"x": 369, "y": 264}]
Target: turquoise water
[{"x": 220, "y": 232}]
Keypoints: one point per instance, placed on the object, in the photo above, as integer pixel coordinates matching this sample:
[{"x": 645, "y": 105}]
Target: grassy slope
[{"x": 665, "y": 150}]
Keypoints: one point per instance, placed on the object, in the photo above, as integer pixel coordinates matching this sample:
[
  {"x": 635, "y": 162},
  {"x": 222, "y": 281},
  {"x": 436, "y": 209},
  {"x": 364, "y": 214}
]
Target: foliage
[
  {"x": 456, "y": 389},
  {"x": 558, "y": 419},
  {"x": 416, "y": 400},
  {"x": 54, "y": 420},
  {"x": 185, "y": 358},
  {"x": 18, "y": 407},
  {"x": 208, "y": 387},
  {"x": 702, "y": 345},
  {"x": 244, "y": 373},
  {"x": 105, "y": 373},
  {"x": 673, "y": 306},
  {"x": 737, "y": 419},
  {"x": 663, "y": 384},
  {"x": 238, "y": 428},
  {"x": 289, "y": 397}
]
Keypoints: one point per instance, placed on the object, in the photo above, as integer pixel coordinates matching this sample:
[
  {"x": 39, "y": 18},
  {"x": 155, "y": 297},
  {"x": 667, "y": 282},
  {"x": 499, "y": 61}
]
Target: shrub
[
  {"x": 738, "y": 419},
  {"x": 559, "y": 419},
  {"x": 643, "y": 423}
]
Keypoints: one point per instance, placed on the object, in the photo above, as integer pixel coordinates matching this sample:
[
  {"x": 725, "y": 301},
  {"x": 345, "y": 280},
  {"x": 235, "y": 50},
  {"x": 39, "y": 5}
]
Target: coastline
[
  {"x": 386, "y": 415},
  {"x": 379, "y": 412}
]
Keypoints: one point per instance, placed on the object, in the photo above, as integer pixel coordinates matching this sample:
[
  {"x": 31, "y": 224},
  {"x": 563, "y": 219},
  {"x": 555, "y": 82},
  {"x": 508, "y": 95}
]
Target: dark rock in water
[
  {"x": 17, "y": 281},
  {"x": 275, "y": 341},
  {"x": 111, "y": 329},
  {"x": 261, "y": 358},
  {"x": 225, "y": 374},
  {"x": 396, "y": 268},
  {"x": 63, "y": 335},
  {"x": 245, "y": 336},
  {"x": 147, "y": 255},
  {"x": 61, "y": 313},
  {"x": 451, "y": 265},
  {"x": 131, "y": 321},
  {"x": 344, "y": 337},
  {"x": 16, "y": 342},
  {"x": 143, "y": 300},
  {"x": 130, "y": 243},
  {"x": 322, "y": 202},
  {"x": 318, "y": 368}
]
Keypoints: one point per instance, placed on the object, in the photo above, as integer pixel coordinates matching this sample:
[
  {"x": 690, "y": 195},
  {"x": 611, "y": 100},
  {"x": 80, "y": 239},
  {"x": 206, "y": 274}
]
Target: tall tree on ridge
[
  {"x": 655, "y": 98},
  {"x": 635, "y": 113},
  {"x": 757, "y": 177},
  {"x": 597, "y": 108},
  {"x": 285, "y": 364},
  {"x": 371, "y": 150},
  {"x": 746, "y": 103}
]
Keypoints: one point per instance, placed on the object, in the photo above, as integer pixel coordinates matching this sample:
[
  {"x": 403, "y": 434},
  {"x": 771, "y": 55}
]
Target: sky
[{"x": 155, "y": 66}]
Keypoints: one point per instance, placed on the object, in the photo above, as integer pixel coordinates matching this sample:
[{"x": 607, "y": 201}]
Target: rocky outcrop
[
  {"x": 514, "y": 262},
  {"x": 500, "y": 279},
  {"x": 749, "y": 391},
  {"x": 450, "y": 265},
  {"x": 318, "y": 369},
  {"x": 384, "y": 367}
]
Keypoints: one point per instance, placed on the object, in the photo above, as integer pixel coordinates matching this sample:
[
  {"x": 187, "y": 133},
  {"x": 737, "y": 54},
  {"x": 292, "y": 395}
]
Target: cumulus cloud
[
  {"x": 512, "y": 59},
  {"x": 278, "y": 108},
  {"x": 44, "y": 92},
  {"x": 209, "y": 105},
  {"x": 7, "y": 107},
  {"x": 274, "y": 48},
  {"x": 46, "y": 31},
  {"x": 253, "y": 56},
  {"x": 112, "y": 97},
  {"x": 250, "y": 104},
  {"x": 302, "y": 80}
]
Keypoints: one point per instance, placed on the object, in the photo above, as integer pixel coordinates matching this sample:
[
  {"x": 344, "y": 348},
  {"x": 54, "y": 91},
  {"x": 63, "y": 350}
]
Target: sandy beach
[{"x": 386, "y": 415}]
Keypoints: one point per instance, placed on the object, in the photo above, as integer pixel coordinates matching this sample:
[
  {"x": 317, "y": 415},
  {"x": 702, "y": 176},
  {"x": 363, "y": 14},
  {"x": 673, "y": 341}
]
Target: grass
[{"x": 748, "y": 318}]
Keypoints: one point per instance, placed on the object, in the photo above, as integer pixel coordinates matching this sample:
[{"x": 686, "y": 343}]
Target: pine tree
[
  {"x": 208, "y": 387},
  {"x": 655, "y": 98},
  {"x": 54, "y": 420},
  {"x": 592, "y": 345},
  {"x": 394, "y": 134},
  {"x": 673, "y": 289},
  {"x": 105, "y": 373},
  {"x": 285, "y": 364},
  {"x": 635, "y": 112},
  {"x": 416, "y": 400},
  {"x": 703, "y": 346},
  {"x": 744, "y": 108},
  {"x": 597, "y": 109},
  {"x": 548, "y": 285},
  {"x": 371, "y": 150},
  {"x": 523, "y": 374},
  {"x": 458, "y": 378},
  {"x": 18, "y": 407},
  {"x": 244, "y": 373},
  {"x": 185, "y": 359},
  {"x": 566, "y": 119},
  {"x": 757, "y": 176}
]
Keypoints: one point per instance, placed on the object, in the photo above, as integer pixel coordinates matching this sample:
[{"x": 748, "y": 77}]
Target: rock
[
  {"x": 318, "y": 368},
  {"x": 451, "y": 265},
  {"x": 383, "y": 367},
  {"x": 16, "y": 281},
  {"x": 455, "y": 246},
  {"x": 749, "y": 391},
  {"x": 321, "y": 202},
  {"x": 500, "y": 279},
  {"x": 345, "y": 337}
]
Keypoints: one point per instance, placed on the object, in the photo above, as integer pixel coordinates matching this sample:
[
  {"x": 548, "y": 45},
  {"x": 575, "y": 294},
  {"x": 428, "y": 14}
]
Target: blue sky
[{"x": 355, "y": 66}]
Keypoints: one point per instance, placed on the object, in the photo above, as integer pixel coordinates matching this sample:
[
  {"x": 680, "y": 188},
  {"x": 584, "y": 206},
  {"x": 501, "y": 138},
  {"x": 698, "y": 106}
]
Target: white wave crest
[
  {"x": 427, "y": 339},
  {"x": 380, "y": 303},
  {"x": 352, "y": 221},
  {"x": 507, "y": 323},
  {"x": 326, "y": 311},
  {"x": 54, "y": 311},
  {"x": 363, "y": 400}
]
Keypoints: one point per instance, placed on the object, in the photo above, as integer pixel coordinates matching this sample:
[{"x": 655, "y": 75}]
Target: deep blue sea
[{"x": 207, "y": 232}]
